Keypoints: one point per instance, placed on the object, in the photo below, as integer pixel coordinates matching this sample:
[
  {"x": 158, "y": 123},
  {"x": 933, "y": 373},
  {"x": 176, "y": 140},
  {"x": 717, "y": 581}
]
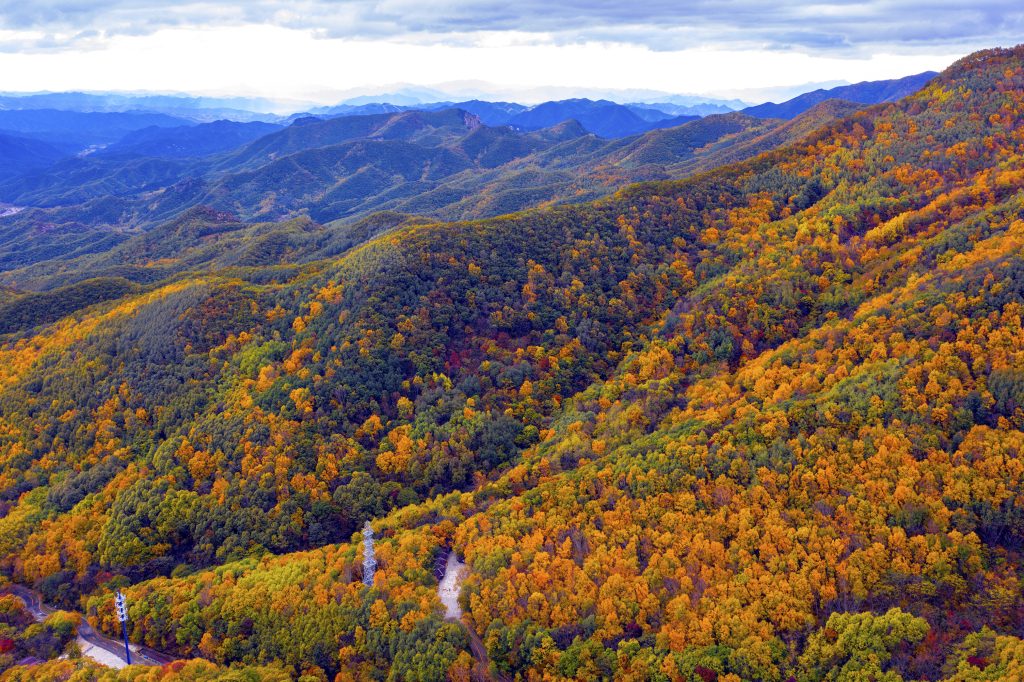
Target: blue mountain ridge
[{"x": 866, "y": 92}]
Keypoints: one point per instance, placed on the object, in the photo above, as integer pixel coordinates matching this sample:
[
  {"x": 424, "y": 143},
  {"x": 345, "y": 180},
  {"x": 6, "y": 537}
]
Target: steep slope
[
  {"x": 757, "y": 424},
  {"x": 733, "y": 149},
  {"x": 587, "y": 168},
  {"x": 866, "y": 92},
  {"x": 683, "y": 143}
]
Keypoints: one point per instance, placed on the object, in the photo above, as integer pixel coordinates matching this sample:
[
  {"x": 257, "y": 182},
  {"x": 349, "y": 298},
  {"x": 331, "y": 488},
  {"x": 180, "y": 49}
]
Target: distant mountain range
[
  {"x": 113, "y": 170},
  {"x": 602, "y": 117},
  {"x": 444, "y": 165},
  {"x": 867, "y": 92},
  {"x": 670, "y": 109},
  {"x": 56, "y": 120},
  {"x": 484, "y": 101},
  {"x": 208, "y": 109},
  {"x": 74, "y": 131},
  {"x": 411, "y": 95},
  {"x": 197, "y": 108},
  {"x": 74, "y": 122},
  {"x": 491, "y": 113},
  {"x": 611, "y": 120},
  {"x": 20, "y": 154},
  {"x": 186, "y": 141}
]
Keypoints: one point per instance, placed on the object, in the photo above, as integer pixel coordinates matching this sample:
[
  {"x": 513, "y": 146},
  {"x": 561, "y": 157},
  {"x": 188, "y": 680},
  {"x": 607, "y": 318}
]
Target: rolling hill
[
  {"x": 19, "y": 154},
  {"x": 759, "y": 139},
  {"x": 426, "y": 128},
  {"x": 32, "y": 237},
  {"x": 8, "y": 293},
  {"x": 186, "y": 141},
  {"x": 202, "y": 239},
  {"x": 604, "y": 118}
]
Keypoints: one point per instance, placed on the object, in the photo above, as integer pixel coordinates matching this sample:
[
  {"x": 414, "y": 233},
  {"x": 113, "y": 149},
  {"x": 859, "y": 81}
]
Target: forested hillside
[
  {"x": 762, "y": 423},
  {"x": 439, "y": 165},
  {"x": 204, "y": 239}
]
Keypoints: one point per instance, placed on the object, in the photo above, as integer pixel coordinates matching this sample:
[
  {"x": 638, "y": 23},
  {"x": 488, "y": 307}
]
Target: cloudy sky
[{"x": 318, "y": 48}]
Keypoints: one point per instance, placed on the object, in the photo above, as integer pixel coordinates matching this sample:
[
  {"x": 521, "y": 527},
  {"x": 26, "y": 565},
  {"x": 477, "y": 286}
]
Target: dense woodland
[
  {"x": 763, "y": 423},
  {"x": 21, "y": 637},
  {"x": 442, "y": 165}
]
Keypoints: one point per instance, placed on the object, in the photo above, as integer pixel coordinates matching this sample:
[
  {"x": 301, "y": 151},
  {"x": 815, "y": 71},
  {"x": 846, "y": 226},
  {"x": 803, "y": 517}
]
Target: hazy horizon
[
  {"x": 311, "y": 52},
  {"x": 410, "y": 94}
]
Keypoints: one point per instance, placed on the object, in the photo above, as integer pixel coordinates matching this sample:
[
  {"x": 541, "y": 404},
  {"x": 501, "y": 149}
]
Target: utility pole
[{"x": 122, "y": 615}]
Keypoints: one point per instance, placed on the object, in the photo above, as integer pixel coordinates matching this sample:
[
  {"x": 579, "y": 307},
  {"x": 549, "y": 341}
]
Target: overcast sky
[{"x": 316, "y": 48}]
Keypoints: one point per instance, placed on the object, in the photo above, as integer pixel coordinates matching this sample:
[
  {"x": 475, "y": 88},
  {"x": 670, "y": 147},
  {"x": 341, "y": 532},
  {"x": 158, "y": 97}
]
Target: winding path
[
  {"x": 448, "y": 590},
  {"x": 143, "y": 656}
]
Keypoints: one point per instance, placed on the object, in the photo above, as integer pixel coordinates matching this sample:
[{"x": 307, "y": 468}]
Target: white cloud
[
  {"x": 855, "y": 28},
  {"x": 286, "y": 62},
  {"x": 302, "y": 46}
]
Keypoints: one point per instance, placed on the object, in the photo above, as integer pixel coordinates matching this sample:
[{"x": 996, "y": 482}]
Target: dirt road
[
  {"x": 476, "y": 645},
  {"x": 39, "y": 610}
]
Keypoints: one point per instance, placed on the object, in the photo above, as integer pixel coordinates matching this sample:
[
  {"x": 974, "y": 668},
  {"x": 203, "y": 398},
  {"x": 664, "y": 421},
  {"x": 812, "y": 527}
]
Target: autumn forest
[{"x": 762, "y": 423}]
